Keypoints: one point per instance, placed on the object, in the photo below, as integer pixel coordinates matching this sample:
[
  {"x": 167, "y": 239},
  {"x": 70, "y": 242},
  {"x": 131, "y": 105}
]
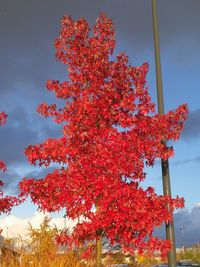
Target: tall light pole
[{"x": 164, "y": 163}]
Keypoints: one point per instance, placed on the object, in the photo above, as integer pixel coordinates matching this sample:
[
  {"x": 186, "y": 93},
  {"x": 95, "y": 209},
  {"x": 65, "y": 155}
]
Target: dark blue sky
[{"x": 28, "y": 29}]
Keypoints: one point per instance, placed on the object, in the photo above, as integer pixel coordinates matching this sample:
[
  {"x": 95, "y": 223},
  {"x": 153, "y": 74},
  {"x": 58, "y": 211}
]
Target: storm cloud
[
  {"x": 186, "y": 225},
  {"x": 192, "y": 126}
]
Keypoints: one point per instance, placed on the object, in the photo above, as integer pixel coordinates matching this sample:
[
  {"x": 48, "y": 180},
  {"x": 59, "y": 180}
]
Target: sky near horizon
[{"x": 28, "y": 29}]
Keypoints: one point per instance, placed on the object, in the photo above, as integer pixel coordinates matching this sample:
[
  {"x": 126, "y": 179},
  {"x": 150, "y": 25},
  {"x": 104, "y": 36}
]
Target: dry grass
[
  {"x": 40, "y": 250},
  {"x": 67, "y": 260}
]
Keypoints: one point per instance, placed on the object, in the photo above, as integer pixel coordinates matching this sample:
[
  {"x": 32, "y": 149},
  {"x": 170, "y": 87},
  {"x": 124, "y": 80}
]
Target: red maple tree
[
  {"x": 110, "y": 133},
  {"x": 6, "y": 202}
]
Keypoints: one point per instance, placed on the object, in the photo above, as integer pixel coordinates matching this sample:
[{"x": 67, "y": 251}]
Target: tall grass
[{"x": 40, "y": 250}]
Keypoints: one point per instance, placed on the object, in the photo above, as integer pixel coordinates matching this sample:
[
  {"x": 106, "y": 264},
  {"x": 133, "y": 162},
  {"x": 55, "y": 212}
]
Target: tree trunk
[{"x": 99, "y": 251}]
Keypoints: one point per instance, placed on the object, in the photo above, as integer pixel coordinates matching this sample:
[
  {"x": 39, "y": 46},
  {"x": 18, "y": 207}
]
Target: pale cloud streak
[{"x": 15, "y": 226}]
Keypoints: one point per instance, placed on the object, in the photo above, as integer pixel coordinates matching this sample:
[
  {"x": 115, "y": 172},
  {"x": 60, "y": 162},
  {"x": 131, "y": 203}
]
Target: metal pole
[{"x": 164, "y": 163}]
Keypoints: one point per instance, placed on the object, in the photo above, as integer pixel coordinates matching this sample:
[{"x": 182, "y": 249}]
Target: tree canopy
[{"x": 110, "y": 132}]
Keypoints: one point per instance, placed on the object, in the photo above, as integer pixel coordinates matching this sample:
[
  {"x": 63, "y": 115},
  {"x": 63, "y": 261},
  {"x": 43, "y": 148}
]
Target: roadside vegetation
[
  {"x": 190, "y": 253},
  {"x": 40, "y": 249}
]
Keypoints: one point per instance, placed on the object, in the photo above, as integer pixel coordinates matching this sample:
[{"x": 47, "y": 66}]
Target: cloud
[
  {"x": 187, "y": 161},
  {"x": 186, "y": 227},
  {"x": 198, "y": 204},
  {"x": 15, "y": 226},
  {"x": 192, "y": 126},
  {"x": 190, "y": 222},
  {"x": 21, "y": 130},
  {"x": 12, "y": 177},
  {"x": 15, "y": 136}
]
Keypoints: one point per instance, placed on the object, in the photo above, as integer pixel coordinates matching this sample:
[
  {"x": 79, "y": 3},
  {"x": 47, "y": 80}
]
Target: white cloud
[
  {"x": 14, "y": 226},
  {"x": 197, "y": 204}
]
